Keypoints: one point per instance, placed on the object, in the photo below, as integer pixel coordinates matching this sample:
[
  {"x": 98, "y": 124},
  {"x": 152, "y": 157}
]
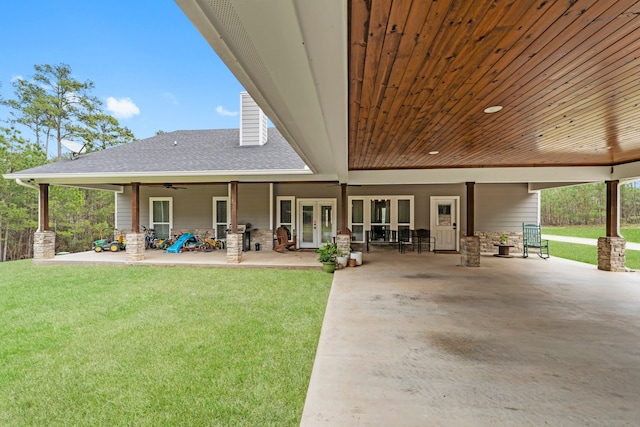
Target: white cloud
[
  {"x": 123, "y": 108},
  {"x": 224, "y": 112}
]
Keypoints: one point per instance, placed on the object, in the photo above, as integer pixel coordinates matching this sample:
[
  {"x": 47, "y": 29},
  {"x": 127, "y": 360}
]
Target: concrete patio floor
[
  {"x": 216, "y": 258},
  {"x": 416, "y": 340}
]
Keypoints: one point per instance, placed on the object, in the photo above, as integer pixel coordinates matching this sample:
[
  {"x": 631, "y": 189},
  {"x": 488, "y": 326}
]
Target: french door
[{"x": 316, "y": 222}]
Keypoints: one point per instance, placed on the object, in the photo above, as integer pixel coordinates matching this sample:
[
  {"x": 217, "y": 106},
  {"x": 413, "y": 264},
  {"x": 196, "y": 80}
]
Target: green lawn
[
  {"x": 587, "y": 253},
  {"x": 156, "y": 346},
  {"x": 581, "y": 253}
]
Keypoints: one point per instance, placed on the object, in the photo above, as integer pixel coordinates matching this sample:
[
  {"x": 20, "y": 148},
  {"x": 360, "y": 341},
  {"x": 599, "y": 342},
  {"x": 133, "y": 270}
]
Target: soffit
[
  {"x": 291, "y": 57},
  {"x": 422, "y": 72}
]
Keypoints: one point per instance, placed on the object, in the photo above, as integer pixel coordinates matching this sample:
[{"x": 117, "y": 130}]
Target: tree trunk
[
  {"x": 2, "y": 254},
  {"x": 6, "y": 244},
  {"x": 29, "y": 244}
]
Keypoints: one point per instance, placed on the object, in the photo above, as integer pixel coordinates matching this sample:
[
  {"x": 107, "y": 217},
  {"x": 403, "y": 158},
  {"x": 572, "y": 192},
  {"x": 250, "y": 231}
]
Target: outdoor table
[{"x": 503, "y": 250}]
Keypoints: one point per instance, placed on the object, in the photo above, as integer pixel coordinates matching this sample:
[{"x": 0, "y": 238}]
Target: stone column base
[
  {"x": 343, "y": 241},
  {"x": 234, "y": 248},
  {"x": 611, "y": 254},
  {"x": 470, "y": 250},
  {"x": 44, "y": 245},
  {"x": 135, "y": 246}
]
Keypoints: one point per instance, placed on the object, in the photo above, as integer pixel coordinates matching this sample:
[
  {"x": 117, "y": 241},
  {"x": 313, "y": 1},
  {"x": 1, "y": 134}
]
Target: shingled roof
[{"x": 189, "y": 151}]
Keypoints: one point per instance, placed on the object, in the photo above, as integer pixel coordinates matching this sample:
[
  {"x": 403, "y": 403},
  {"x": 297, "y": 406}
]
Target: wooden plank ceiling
[{"x": 421, "y": 72}]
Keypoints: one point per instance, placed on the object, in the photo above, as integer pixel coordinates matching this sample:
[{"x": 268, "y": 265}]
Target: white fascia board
[
  {"x": 180, "y": 176},
  {"x": 324, "y": 30},
  {"x": 537, "y": 186},
  {"x": 115, "y": 176},
  {"x": 482, "y": 175},
  {"x": 627, "y": 172},
  {"x": 104, "y": 187}
]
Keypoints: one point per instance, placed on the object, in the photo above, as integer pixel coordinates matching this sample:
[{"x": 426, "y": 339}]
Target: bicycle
[
  {"x": 210, "y": 244},
  {"x": 150, "y": 240}
]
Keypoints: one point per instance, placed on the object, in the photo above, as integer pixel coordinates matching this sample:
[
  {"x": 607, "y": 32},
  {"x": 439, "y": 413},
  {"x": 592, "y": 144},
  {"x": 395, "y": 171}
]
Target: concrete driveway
[{"x": 416, "y": 340}]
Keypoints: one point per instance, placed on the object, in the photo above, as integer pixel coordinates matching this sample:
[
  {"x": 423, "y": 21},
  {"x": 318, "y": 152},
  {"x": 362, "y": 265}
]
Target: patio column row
[{"x": 611, "y": 248}]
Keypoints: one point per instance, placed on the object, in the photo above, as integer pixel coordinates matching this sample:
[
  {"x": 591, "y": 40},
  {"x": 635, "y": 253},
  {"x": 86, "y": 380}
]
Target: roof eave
[{"x": 297, "y": 75}]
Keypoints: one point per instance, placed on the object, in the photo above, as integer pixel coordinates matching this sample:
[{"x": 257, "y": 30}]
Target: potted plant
[
  {"x": 504, "y": 238},
  {"x": 342, "y": 258},
  {"x": 327, "y": 256}
]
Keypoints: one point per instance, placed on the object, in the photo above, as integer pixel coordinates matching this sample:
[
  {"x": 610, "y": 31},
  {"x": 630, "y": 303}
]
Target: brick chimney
[{"x": 253, "y": 122}]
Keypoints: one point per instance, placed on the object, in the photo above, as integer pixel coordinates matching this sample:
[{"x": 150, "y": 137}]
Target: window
[
  {"x": 161, "y": 215},
  {"x": 356, "y": 223},
  {"x": 404, "y": 217},
  {"x": 286, "y": 214},
  {"x": 221, "y": 217},
  {"x": 381, "y": 215},
  {"x": 444, "y": 215}
]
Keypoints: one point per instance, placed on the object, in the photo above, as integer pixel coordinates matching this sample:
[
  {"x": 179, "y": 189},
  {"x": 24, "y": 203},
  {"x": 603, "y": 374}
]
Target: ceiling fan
[{"x": 172, "y": 187}]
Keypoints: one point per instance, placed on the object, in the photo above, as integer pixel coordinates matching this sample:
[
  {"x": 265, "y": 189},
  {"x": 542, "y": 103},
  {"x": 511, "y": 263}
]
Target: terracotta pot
[{"x": 352, "y": 262}]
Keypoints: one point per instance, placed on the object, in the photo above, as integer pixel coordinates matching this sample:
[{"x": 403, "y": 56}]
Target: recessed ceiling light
[
  {"x": 432, "y": 153},
  {"x": 493, "y": 109}
]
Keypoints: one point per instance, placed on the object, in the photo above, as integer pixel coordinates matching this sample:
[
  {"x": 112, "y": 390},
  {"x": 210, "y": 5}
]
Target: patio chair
[
  {"x": 532, "y": 239},
  {"x": 422, "y": 236},
  {"x": 283, "y": 241},
  {"x": 404, "y": 239}
]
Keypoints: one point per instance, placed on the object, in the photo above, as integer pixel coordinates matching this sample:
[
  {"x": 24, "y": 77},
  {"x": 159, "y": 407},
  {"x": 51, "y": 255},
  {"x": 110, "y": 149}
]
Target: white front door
[
  {"x": 445, "y": 216},
  {"x": 316, "y": 222}
]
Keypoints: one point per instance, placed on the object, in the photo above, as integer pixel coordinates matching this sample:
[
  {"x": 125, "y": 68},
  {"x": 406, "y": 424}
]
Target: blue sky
[{"x": 150, "y": 66}]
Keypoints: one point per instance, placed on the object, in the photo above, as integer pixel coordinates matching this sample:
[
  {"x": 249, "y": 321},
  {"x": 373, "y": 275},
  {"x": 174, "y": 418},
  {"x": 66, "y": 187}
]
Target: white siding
[
  {"x": 123, "y": 209},
  {"x": 504, "y": 207},
  {"x": 253, "y": 122},
  {"x": 192, "y": 207},
  {"x": 320, "y": 190},
  {"x": 253, "y": 205}
]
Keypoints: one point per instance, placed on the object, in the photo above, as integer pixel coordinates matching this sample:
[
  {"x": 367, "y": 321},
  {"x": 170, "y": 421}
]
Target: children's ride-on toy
[
  {"x": 102, "y": 245},
  {"x": 118, "y": 244}
]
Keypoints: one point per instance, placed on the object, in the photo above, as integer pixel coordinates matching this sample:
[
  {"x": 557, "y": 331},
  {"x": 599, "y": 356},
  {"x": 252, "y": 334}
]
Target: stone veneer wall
[
  {"x": 197, "y": 231},
  {"x": 470, "y": 251},
  {"x": 343, "y": 242},
  {"x": 611, "y": 254},
  {"x": 234, "y": 248},
  {"x": 489, "y": 238},
  {"x": 135, "y": 246},
  {"x": 44, "y": 245},
  {"x": 264, "y": 237}
]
